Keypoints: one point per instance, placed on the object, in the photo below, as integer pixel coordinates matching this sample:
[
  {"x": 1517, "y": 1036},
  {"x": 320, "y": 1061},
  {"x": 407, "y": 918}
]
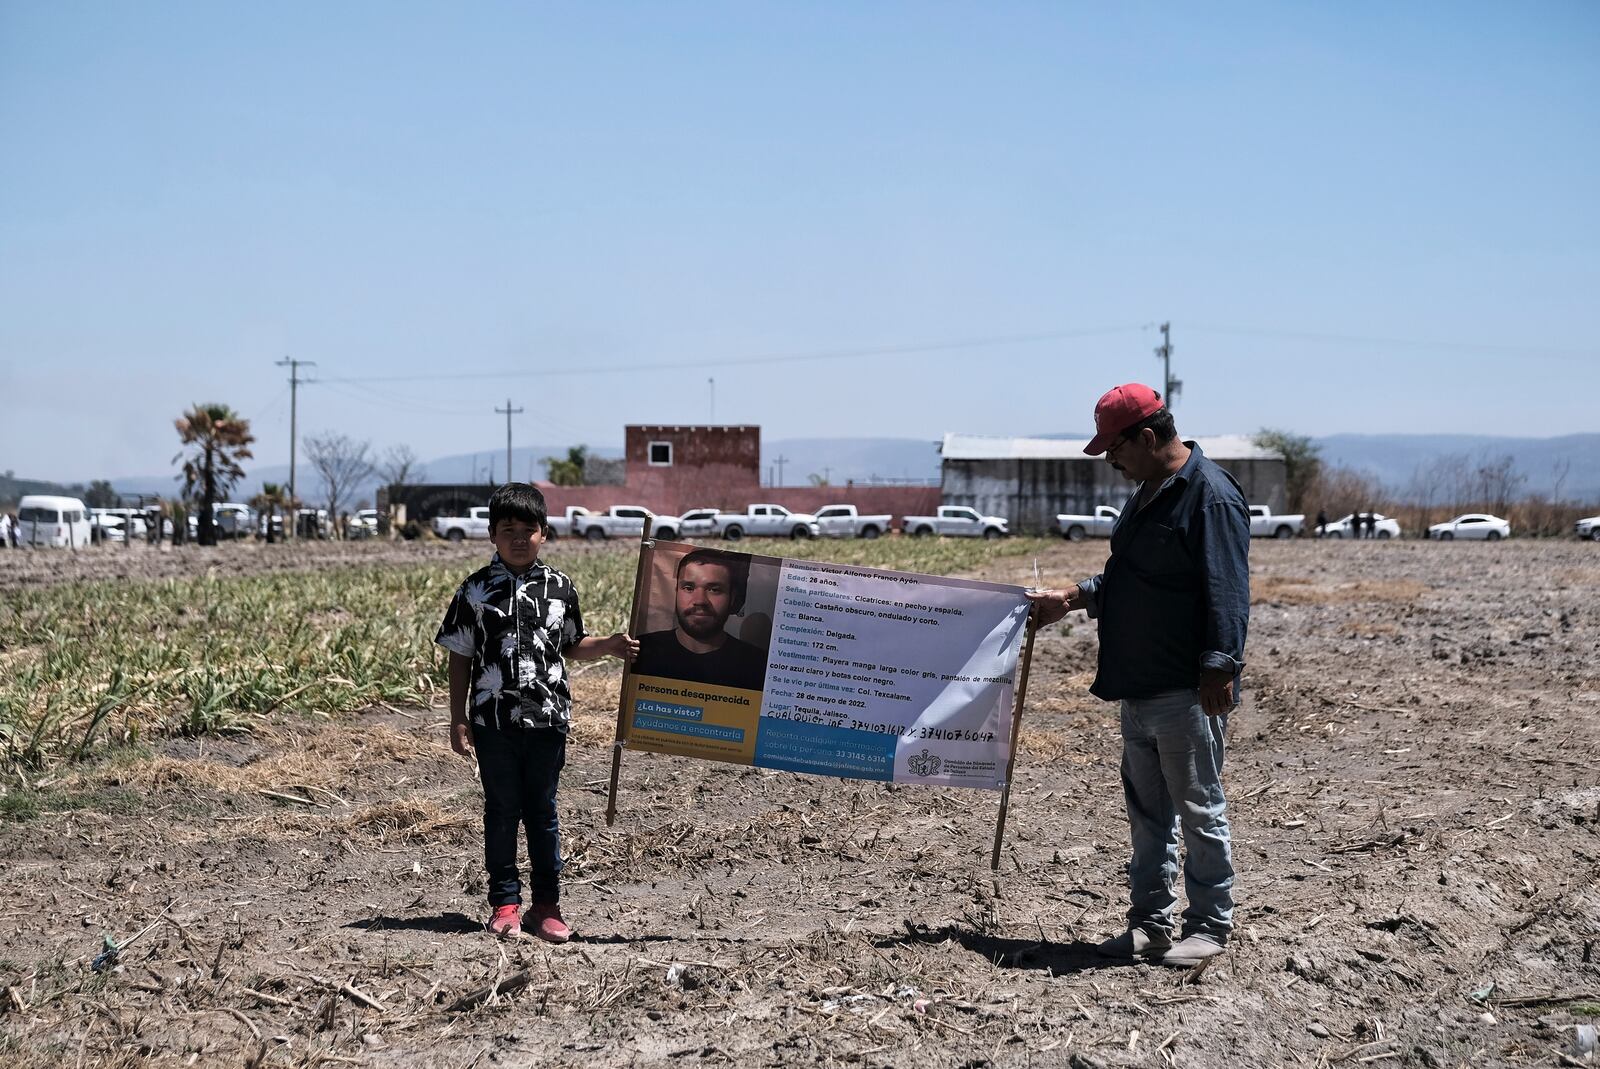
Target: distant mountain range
[
  {"x": 1396, "y": 459},
  {"x": 1393, "y": 458}
]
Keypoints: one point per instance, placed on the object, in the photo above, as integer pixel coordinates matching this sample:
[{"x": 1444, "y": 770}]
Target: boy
[{"x": 507, "y": 630}]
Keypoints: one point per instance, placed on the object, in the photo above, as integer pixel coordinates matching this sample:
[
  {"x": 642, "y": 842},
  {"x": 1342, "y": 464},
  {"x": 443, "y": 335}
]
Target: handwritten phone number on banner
[{"x": 924, "y": 733}]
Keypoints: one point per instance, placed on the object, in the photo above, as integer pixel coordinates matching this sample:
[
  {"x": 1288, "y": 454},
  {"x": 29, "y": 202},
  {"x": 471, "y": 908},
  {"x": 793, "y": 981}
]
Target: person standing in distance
[{"x": 1173, "y": 605}]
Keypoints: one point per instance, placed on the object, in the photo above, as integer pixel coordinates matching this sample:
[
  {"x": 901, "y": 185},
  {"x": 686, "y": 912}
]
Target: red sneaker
[
  {"x": 505, "y": 921},
  {"x": 545, "y": 920}
]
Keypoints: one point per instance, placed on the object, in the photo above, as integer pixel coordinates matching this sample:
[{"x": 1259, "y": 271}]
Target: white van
[{"x": 46, "y": 520}]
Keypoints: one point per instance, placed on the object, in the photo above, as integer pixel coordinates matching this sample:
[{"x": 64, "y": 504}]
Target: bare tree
[
  {"x": 1422, "y": 491},
  {"x": 399, "y": 467},
  {"x": 1341, "y": 491},
  {"x": 1558, "y": 479},
  {"x": 344, "y": 465},
  {"x": 1542, "y": 515},
  {"x": 1453, "y": 473},
  {"x": 1497, "y": 482}
]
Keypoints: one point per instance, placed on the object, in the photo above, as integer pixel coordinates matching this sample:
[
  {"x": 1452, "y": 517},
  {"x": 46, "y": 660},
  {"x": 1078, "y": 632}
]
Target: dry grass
[
  {"x": 1298, "y": 590},
  {"x": 594, "y": 705},
  {"x": 406, "y": 819},
  {"x": 1371, "y": 628},
  {"x": 1046, "y": 744},
  {"x": 306, "y": 761}
]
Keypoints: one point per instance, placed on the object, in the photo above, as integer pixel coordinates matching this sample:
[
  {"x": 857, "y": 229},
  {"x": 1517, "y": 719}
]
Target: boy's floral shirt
[{"x": 515, "y": 628}]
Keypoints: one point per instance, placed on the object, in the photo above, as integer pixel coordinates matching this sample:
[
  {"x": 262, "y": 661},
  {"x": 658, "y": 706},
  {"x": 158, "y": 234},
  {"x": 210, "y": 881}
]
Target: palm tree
[
  {"x": 220, "y": 439},
  {"x": 272, "y": 498}
]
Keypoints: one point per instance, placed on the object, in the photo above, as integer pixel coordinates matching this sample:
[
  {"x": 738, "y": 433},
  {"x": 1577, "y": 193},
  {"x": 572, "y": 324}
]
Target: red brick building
[{"x": 672, "y": 468}]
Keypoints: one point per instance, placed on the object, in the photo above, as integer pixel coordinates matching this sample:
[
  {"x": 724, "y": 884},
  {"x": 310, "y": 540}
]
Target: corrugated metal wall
[{"x": 1030, "y": 493}]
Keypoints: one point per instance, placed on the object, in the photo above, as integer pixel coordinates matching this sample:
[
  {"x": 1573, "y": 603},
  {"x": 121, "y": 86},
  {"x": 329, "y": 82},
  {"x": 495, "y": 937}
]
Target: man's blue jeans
[{"x": 1172, "y": 779}]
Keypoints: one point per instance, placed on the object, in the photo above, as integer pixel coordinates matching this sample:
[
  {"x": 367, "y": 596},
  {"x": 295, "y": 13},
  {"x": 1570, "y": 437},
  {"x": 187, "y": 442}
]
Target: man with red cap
[{"x": 1173, "y": 604}]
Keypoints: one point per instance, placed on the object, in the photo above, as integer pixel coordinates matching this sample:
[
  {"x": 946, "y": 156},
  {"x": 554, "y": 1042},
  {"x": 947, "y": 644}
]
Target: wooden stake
[
  {"x": 635, "y": 625},
  {"x": 1016, "y": 731}
]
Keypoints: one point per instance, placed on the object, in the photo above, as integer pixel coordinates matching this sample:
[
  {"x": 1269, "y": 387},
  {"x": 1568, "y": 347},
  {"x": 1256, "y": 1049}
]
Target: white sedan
[
  {"x": 1479, "y": 525},
  {"x": 1589, "y": 528},
  {"x": 1384, "y": 527}
]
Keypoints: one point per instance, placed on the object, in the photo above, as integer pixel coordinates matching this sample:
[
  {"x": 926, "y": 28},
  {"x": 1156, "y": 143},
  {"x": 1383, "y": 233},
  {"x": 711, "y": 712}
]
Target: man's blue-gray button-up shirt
[{"x": 1174, "y": 598}]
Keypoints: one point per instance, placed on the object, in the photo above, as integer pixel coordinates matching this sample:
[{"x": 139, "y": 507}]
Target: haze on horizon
[{"x": 1362, "y": 219}]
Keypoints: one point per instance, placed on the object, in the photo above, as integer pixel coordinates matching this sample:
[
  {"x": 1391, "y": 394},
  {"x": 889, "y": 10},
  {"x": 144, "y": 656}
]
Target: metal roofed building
[{"x": 1030, "y": 480}]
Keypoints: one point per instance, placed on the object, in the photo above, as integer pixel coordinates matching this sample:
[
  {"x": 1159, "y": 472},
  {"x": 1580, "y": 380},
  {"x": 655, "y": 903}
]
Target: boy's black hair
[
  {"x": 738, "y": 572},
  {"x": 517, "y": 501}
]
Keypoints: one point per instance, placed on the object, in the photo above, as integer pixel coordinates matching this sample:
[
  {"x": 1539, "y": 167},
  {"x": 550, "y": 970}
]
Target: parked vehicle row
[
  {"x": 954, "y": 521},
  {"x": 1265, "y": 523}
]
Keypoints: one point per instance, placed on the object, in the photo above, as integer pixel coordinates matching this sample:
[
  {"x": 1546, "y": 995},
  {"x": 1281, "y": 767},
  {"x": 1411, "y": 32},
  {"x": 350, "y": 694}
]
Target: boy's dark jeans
[{"x": 519, "y": 769}]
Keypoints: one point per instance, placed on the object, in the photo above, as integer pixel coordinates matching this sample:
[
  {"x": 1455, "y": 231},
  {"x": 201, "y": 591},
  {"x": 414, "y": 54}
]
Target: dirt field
[{"x": 1415, "y": 796}]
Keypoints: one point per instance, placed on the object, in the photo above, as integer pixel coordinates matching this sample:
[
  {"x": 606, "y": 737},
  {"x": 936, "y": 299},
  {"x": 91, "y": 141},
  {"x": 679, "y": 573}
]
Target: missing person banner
[{"x": 822, "y": 668}]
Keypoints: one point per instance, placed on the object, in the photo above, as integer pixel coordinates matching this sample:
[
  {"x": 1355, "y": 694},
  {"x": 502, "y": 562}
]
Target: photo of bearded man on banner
[{"x": 720, "y": 626}]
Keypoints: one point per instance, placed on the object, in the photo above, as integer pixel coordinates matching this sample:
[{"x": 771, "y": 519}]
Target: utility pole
[
  {"x": 295, "y": 380},
  {"x": 1170, "y": 386},
  {"x": 508, "y": 412},
  {"x": 713, "y": 384},
  {"x": 780, "y": 460}
]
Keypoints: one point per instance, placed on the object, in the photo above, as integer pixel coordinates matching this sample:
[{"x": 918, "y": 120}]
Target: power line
[
  {"x": 746, "y": 361},
  {"x": 393, "y": 402},
  {"x": 1412, "y": 343},
  {"x": 369, "y": 396},
  {"x": 267, "y": 410}
]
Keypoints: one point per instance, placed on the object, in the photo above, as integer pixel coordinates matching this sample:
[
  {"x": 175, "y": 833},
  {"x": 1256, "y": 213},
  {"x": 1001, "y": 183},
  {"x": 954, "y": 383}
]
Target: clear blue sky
[{"x": 479, "y": 193}]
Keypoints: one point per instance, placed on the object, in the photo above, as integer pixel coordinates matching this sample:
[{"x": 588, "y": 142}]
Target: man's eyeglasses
[{"x": 1122, "y": 440}]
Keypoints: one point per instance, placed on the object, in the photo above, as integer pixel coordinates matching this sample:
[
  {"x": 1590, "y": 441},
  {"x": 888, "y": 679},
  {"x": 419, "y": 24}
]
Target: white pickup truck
[
  {"x": 957, "y": 521},
  {"x": 767, "y": 521},
  {"x": 1263, "y": 524},
  {"x": 475, "y": 524},
  {"x": 701, "y": 523},
  {"x": 843, "y": 521},
  {"x": 1077, "y": 528},
  {"x": 620, "y": 521}
]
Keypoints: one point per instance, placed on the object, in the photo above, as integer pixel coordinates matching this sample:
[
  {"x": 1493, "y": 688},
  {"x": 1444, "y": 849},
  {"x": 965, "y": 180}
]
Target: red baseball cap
[{"x": 1118, "y": 409}]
